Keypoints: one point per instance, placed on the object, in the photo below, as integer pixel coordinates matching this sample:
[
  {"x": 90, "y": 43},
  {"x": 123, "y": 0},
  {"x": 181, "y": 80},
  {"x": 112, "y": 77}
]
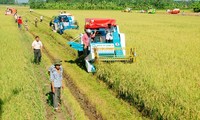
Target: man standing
[
  {"x": 15, "y": 16},
  {"x": 61, "y": 25},
  {"x": 86, "y": 40},
  {"x": 26, "y": 25},
  {"x": 109, "y": 36},
  {"x": 41, "y": 18},
  {"x": 19, "y": 21},
  {"x": 36, "y": 21},
  {"x": 56, "y": 21},
  {"x": 56, "y": 77},
  {"x": 37, "y": 47}
]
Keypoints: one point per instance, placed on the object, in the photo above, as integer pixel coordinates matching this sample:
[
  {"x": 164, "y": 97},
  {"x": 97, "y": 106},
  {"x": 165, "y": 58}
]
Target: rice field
[
  {"x": 19, "y": 96},
  {"x": 164, "y": 83},
  {"x": 55, "y": 45}
]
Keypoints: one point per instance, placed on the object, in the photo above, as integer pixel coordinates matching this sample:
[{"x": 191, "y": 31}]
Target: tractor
[
  {"x": 99, "y": 48},
  {"x": 65, "y": 21}
]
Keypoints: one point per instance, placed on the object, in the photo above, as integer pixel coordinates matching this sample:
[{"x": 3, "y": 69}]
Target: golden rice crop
[{"x": 164, "y": 83}]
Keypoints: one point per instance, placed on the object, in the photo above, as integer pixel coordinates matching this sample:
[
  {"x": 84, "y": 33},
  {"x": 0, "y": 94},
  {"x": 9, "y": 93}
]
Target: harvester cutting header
[{"x": 106, "y": 43}]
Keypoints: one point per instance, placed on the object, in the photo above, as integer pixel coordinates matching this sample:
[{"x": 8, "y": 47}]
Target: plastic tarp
[{"x": 94, "y": 23}]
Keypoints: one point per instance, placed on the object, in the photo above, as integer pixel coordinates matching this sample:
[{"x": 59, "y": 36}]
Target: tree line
[
  {"x": 112, "y": 4},
  {"x": 109, "y": 4},
  {"x": 7, "y": 1}
]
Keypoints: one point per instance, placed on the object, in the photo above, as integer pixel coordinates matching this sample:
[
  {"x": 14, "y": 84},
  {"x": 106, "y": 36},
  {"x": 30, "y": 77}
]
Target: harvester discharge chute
[
  {"x": 99, "y": 48},
  {"x": 65, "y": 21}
]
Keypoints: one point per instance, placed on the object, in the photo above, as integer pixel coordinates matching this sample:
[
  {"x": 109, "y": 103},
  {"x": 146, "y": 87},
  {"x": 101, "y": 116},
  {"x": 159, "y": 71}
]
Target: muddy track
[{"x": 88, "y": 108}]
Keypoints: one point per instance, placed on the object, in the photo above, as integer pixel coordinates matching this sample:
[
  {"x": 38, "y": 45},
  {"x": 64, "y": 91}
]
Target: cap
[
  {"x": 57, "y": 62},
  {"x": 88, "y": 31}
]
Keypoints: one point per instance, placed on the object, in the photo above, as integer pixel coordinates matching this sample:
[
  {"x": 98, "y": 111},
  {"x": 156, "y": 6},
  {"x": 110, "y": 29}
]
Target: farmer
[
  {"x": 51, "y": 24},
  {"x": 41, "y": 18},
  {"x": 15, "y": 16},
  {"x": 37, "y": 48},
  {"x": 30, "y": 10},
  {"x": 36, "y": 21},
  {"x": 109, "y": 36},
  {"x": 86, "y": 40},
  {"x": 26, "y": 25},
  {"x": 56, "y": 77},
  {"x": 61, "y": 25},
  {"x": 55, "y": 23},
  {"x": 97, "y": 37},
  {"x": 19, "y": 21},
  {"x": 53, "y": 67}
]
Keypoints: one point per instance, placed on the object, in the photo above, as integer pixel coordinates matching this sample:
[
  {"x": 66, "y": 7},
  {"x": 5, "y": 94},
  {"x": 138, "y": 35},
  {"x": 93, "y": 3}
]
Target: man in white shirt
[
  {"x": 37, "y": 47},
  {"x": 41, "y": 18},
  {"x": 109, "y": 34}
]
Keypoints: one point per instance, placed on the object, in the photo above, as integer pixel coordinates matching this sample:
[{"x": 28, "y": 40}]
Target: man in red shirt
[{"x": 19, "y": 21}]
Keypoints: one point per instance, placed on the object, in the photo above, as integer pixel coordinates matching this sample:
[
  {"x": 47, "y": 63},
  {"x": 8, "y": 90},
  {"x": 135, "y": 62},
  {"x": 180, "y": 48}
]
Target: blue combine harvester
[
  {"x": 65, "y": 21},
  {"x": 101, "y": 47}
]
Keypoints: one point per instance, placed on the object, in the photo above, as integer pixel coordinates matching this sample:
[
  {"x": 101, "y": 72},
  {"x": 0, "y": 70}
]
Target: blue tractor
[
  {"x": 65, "y": 21},
  {"x": 103, "y": 47}
]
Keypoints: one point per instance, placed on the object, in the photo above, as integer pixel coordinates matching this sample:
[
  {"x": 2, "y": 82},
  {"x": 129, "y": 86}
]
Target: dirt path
[
  {"x": 50, "y": 114},
  {"x": 43, "y": 85},
  {"x": 88, "y": 108}
]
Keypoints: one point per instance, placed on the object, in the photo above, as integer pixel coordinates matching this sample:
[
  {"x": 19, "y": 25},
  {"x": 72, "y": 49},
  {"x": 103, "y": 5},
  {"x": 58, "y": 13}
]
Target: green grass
[{"x": 165, "y": 78}]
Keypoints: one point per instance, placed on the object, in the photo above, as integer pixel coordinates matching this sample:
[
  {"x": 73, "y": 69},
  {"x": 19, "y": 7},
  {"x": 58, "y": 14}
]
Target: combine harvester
[
  {"x": 174, "y": 11},
  {"x": 65, "y": 21},
  {"x": 99, "y": 49},
  {"x": 127, "y": 10},
  {"x": 10, "y": 11},
  {"x": 151, "y": 11}
]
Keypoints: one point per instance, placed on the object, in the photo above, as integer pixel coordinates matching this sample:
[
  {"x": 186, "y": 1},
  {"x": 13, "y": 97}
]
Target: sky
[{"x": 22, "y": 1}]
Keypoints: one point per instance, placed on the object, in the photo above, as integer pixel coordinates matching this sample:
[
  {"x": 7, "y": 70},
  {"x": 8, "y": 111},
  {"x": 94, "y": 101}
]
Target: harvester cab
[
  {"x": 65, "y": 21},
  {"x": 100, "y": 48}
]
